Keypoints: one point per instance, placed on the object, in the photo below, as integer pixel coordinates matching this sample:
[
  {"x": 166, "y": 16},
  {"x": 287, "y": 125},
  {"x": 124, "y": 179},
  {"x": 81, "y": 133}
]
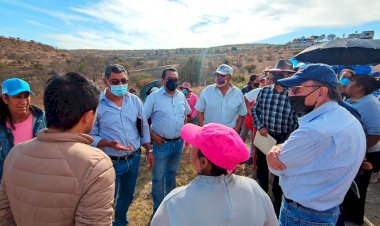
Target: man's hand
[
  {"x": 157, "y": 140},
  {"x": 272, "y": 158},
  {"x": 263, "y": 132},
  {"x": 116, "y": 145},
  {"x": 150, "y": 161}
]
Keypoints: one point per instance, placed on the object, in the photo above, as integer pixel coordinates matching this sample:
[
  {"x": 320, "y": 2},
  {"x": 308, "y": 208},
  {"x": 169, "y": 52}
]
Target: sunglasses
[
  {"x": 295, "y": 89},
  {"x": 118, "y": 81}
]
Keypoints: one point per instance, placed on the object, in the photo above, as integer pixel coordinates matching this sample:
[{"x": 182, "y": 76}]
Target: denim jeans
[
  {"x": 167, "y": 157},
  {"x": 295, "y": 214},
  {"x": 126, "y": 177}
]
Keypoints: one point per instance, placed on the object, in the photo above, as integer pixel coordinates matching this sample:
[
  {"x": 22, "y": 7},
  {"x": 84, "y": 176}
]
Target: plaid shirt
[{"x": 273, "y": 111}]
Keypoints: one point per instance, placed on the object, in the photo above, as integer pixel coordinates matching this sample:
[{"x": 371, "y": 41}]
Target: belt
[
  {"x": 291, "y": 201},
  {"x": 171, "y": 140},
  {"x": 126, "y": 157}
]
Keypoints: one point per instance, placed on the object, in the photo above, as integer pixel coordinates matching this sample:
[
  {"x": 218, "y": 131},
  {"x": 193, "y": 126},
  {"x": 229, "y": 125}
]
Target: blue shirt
[
  {"x": 167, "y": 112},
  {"x": 221, "y": 109},
  {"x": 322, "y": 157},
  {"x": 369, "y": 110},
  {"x": 114, "y": 123}
]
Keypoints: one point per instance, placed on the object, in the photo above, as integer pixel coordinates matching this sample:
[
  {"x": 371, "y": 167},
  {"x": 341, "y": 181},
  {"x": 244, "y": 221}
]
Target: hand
[
  {"x": 116, "y": 145},
  {"x": 263, "y": 132},
  {"x": 272, "y": 158},
  {"x": 157, "y": 140},
  {"x": 150, "y": 160}
]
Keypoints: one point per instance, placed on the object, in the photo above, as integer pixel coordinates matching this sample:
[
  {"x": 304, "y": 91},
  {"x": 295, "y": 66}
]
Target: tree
[
  {"x": 250, "y": 68},
  {"x": 331, "y": 37},
  {"x": 190, "y": 71}
]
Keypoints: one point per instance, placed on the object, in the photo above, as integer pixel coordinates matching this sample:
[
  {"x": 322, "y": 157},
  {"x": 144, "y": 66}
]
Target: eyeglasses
[
  {"x": 220, "y": 75},
  {"x": 294, "y": 89},
  {"x": 118, "y": 81},
  {"x": 172, "y": 79}
]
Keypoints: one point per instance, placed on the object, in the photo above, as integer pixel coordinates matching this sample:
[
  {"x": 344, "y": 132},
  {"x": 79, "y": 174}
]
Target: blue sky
[{"x": 159, "y": 24}]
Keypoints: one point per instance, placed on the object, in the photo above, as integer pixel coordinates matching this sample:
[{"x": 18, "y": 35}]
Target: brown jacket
[{"x": 57, "y": 179}]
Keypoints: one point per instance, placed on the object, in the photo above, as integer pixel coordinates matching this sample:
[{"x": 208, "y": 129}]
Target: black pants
[{"x": 263, "y": 174}]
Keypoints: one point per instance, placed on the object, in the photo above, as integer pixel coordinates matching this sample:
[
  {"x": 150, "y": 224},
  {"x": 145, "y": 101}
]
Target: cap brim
[
  {"x": 18, "y": 91},
  {"x": 220, "y": 72},
  {"x": 280, "y": 70},
  {"x": 291, "y": 81},
  {"x": 189, "y": 132}
]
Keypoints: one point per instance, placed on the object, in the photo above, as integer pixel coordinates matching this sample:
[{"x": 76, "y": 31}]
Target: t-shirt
[{"x": 23, "y": 131}]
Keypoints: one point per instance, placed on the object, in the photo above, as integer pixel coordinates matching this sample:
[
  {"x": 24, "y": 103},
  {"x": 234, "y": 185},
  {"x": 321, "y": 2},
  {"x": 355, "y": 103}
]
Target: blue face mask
[
  {"x": 184, "y": 91},
  {"x": 344, "y": 81},
  {"x": 119, "y": 90}
]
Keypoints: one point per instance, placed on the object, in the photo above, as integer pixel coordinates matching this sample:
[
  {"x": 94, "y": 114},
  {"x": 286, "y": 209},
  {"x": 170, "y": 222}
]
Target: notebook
[{"x": 265, "y": 144}]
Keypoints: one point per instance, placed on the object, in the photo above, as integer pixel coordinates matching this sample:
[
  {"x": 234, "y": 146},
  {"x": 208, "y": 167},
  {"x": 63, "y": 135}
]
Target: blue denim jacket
[{"x": 6, "y": 136}]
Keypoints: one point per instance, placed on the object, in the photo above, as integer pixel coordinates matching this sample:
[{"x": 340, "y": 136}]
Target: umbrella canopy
[
  {"x": 144, "y": 92},
  {"x": 342, "y": 52}
]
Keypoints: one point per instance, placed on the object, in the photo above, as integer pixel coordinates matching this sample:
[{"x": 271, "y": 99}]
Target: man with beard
[
  {"x": 273, "y": 115},
  {"x": 222, "y": 102},
  {"x": 167, "y": 108}
]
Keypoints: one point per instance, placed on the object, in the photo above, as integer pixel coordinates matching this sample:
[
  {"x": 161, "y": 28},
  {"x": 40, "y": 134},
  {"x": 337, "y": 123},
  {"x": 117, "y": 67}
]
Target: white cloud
[{"x": 130, "y": 24}]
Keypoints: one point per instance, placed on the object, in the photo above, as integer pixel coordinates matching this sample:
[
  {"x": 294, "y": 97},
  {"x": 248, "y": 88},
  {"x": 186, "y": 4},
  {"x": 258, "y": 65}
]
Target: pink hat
[{"x": 218, "y": 143}]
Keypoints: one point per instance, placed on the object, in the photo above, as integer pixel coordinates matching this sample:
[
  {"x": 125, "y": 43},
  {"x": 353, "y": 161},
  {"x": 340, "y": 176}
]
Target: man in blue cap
[{"x": 319, "y": 160}]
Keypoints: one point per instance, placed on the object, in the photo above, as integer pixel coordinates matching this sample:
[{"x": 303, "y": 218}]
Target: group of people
[{"x": 83, "y": 162}]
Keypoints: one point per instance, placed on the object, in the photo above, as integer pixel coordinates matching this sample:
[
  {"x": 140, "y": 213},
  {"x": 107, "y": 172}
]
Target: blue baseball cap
[
  {"x": 224, "y": 69},
  {"x": 14, "y": 86},
  {"x": 316, "y": 72}
]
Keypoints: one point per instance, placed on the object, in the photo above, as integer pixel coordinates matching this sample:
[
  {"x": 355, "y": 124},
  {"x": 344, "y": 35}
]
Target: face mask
[
  {"x": 298, "y": 104},
  {"x": 344, "y": 81},
  {"x": 256, "y": 85},
  {"x": 220, "y": 82},
  {"x": 171, "y": 84},
  {"x": 277, "y": 77},
  {"x": 119, "y": 90},
  {"x": 184, "y": 91}
]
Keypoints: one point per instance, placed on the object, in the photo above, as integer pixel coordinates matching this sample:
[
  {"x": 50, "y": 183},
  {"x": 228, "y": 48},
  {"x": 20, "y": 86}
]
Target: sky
[{"x": 168, "y": 24}]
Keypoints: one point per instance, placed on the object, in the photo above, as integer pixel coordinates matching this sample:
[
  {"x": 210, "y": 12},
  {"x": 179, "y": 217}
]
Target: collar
[
  {"x": 317, "y": 112},
  {"x": 163, "y": 91},
  {"x": 52, "y": 135}
]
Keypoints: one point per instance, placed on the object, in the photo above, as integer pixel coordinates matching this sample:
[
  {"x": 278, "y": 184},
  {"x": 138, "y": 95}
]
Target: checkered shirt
[{"x": 272, "y": 111}]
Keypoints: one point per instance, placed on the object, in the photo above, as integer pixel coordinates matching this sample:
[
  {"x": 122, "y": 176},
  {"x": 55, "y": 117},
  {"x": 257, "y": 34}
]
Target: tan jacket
[{"x": 57, "y": 179}]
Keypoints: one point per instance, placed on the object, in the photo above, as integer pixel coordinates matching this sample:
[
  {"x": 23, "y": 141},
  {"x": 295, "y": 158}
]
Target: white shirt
[
  {"x": 217, "y": 201},
  {"x": 252, "y": 95}
]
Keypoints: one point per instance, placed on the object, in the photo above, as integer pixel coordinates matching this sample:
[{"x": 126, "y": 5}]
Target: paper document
[{"x": 264, "y": 143}]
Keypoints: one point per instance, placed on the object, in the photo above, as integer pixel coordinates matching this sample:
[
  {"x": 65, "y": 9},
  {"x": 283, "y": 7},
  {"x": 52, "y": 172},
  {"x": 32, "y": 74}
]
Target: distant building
[
  {"x": 303, "y": 42},
  {"x": 363, "y": 35}
]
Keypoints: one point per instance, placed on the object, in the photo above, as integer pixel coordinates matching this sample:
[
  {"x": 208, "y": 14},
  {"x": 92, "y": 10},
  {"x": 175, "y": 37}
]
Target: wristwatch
[{"x": 148, "y": 151}]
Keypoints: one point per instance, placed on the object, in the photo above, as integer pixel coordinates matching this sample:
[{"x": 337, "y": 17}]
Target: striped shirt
[
  {"x": 322, "y": 157},
  {"x": 273, "y": 111}
]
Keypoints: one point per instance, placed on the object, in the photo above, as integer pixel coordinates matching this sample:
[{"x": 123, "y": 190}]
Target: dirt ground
[{"x": 372, "y": 210}]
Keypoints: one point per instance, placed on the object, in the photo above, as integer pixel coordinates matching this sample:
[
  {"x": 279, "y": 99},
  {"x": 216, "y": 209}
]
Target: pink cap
[{"x": 218, "y": 143}]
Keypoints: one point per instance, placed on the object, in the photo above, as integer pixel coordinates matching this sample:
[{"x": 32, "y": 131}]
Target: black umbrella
[
  {"x": 144, "y": 92},
  {"x": 342, "y": 52}
]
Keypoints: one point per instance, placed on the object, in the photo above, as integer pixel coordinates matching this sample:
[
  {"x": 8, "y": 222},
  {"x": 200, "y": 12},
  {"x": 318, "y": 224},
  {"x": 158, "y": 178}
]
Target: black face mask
[
  {"x": 256, "y": 85},
  {"x": 298, "y": 104},
  {"x": 171, "y": 84},
  {"x": 277, "y": 77}
]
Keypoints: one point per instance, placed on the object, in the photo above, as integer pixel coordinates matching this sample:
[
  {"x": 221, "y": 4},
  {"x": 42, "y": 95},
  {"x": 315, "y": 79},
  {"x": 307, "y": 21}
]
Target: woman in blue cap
[{"x": 19, "y": 121}]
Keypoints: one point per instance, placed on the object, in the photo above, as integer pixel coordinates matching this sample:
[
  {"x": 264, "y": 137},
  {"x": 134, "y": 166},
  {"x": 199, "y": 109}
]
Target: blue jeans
[
  {"x": 167, "y": 157},
  {"x": 126, "y": 177},
  {"x": 295, "y": 214}
]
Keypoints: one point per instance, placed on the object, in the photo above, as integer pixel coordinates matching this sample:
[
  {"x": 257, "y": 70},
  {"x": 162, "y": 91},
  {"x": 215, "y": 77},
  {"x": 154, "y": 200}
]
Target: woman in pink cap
[
  {"x": 216, "y": 196},
  {"x": 192, "y": 99}
]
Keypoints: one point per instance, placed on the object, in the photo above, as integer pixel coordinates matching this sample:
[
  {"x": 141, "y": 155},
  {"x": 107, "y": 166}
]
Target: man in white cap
[{"x": 222, "y": 102}]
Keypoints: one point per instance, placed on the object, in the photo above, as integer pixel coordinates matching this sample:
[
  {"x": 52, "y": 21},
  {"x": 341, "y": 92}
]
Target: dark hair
[
  {"x": 114, "y": 68},
  {"x": 252, "y": 78},
  {"x": 349, "y": 70},
  {"x": 4, "y": 113},
  {"x": 369, "y": 83},
  {"x": 166, "y": 70},
  {"x": 215, "y": 170},
  {"x": 67, "y": 98}
]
